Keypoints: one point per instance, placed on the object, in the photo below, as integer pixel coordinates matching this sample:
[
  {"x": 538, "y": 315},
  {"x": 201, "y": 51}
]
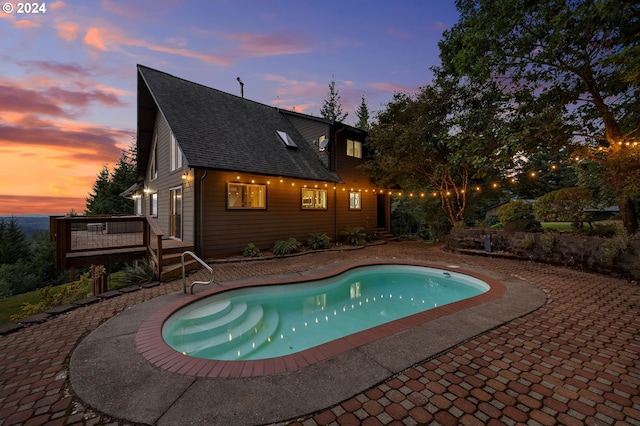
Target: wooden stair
[
  {"x": 172, "y": 257},
  {"x": 386, "y": 235}
]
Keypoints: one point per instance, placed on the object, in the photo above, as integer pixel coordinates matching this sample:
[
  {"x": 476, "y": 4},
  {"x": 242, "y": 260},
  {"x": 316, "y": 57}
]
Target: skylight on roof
[{"x": 286, "y": 139}]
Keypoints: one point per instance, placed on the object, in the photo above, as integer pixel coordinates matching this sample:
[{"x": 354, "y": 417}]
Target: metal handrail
[{"x": 184, "y": 276}]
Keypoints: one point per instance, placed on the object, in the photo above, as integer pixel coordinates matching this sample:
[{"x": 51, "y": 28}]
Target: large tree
[
  {"x": 332, "y": 105},
  {"x": 442, "y": 141},
  {"x": 570, "y": 68}
]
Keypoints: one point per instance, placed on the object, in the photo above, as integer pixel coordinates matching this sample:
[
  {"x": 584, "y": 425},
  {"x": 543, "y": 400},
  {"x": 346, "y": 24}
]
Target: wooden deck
[{"x": 103, "y": 240}]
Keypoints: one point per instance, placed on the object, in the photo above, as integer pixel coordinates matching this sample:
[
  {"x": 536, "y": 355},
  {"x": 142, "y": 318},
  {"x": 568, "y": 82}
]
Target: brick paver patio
[{"x": 576, "y": 360}]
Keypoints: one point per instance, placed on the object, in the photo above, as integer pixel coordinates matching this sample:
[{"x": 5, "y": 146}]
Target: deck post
[{"x": 159, "y": 238}]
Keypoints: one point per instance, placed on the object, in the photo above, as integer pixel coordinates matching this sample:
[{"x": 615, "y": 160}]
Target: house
[{"x": 219, "y": 171}]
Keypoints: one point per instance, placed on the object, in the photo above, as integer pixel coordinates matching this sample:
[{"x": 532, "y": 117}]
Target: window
[
  {"x": 286, "y": 139},
  {"x": 355, "y": 200},
  {"x": 153, "y": 172},
  {"x": 245, "y": 196},
  {"x": 137, "y": 202},
  {"x": 314, "y": 199},
  {"x": 153, "y": 204},
  {"x": 176, "y": 154},
  {"x": 354, "y": 148}
]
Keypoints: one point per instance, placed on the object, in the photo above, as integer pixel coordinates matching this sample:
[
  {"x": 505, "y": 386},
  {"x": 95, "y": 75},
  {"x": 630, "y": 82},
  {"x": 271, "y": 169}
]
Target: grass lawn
[
  {"x": 566, "y": 226},
  {"x": 11, "y": 306},
  {"x": 558, "y": 226}
]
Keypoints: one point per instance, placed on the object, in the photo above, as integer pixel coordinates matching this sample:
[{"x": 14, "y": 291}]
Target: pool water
[{"x": 277, "y": 320}]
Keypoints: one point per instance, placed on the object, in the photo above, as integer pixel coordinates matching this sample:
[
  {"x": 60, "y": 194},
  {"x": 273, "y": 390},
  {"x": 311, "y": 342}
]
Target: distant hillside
[{"x": 30, "y": 223}]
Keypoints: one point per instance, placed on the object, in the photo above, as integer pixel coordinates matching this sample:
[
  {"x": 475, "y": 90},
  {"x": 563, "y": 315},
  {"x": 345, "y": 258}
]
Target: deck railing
[{"x": 82, "y": 240}]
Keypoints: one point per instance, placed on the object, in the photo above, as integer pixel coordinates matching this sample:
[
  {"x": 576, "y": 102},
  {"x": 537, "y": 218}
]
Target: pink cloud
[
  {"x": 398, "y": 33},
  {"x": 281, "y": 43},
  {"x": 109, "y": 38},
  {"x": 94, "y": 141},
  {"x": 23, "y": 23},
  {"x": 438, "y": 27},
  {"x": 52, "y": 101},
  {"x": 68, "y": 30},
  {"x": 83, "y": 99},
  {"x": 292, "y": 89},
  {"x": 94, "y": 38},
  {"x": 57, "y": 5},
  {"x": 16, "y": 99},
  {"x": 53, "y": 67}
]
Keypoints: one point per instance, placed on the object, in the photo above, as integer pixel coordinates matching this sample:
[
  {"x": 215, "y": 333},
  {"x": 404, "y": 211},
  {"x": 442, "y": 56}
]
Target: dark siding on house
[
  {"x": 348, "y": 169},
  {"x": 226, "y": 232}
]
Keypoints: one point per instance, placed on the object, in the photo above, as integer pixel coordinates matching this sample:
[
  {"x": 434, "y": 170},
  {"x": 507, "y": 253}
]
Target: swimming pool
[{"x": 279, "y": 320}]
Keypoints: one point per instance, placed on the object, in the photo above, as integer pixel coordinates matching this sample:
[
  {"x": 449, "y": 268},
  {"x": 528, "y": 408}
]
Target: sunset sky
[{"x": 68, "y": 82}]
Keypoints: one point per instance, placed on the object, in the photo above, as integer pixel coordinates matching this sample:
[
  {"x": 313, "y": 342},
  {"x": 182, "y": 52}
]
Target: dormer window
[{"x": 286, "y": 139}]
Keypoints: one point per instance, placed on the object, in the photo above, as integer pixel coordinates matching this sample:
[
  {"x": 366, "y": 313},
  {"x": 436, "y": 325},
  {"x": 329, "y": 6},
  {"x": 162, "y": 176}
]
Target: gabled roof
[{"x": 217, "y": 130}]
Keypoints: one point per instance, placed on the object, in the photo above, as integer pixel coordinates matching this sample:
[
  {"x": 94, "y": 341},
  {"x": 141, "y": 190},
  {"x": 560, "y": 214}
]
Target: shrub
[
  {"x": 614, "y": 247},
  {"x": 489, "y": 222},
  {"x": 49, "y": 299},
  {"x": 518, "y": 216},
  {"x": 283, "y": 247},
  {"x": 548, "y": 241},
  {"x": 353, "y": 235},
  {"x": 141, "y": 274},
  {"x": 527, "y": 242},
  {"x": 251, "y": 250},
  {"x": 318, "y": 241},
  {"x": 607, "y": 230},
  {"x": 564, "y": 205}
]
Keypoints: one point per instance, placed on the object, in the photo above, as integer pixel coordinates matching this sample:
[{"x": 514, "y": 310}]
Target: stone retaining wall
[{"x": 578, "y": 251}]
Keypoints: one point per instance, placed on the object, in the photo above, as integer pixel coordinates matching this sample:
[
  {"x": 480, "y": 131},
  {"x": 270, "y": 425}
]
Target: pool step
[
  {"x": 263, "y": 334},
  {"x": 216, "y": 324},
  {"x": 208, "y": 312},
  {"x": 237, "y": 329}
]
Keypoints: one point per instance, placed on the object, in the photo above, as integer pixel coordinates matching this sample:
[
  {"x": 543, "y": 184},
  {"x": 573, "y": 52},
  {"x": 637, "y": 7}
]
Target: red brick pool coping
[{"x": 153, "y": 348}]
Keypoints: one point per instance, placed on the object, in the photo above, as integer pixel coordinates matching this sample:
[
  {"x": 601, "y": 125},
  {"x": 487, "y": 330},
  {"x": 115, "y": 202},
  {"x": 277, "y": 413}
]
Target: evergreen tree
[
  {"x": 105, "y": 195},
  {"x": 13, "y": 243},
  {"x": 98, "y": 201},
  {"x": 332, "y": 106},
  {"x": 124, "y": 175},
  {"x": 363, "y": 115}
]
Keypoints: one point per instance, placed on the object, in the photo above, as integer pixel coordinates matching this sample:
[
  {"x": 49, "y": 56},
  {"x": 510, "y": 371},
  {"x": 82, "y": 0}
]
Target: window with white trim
[
  {"x": 153, "y": 204},
  {"x": 314, "y": 199},
  {"x": 354, "y": 148},
  {"x": 176, "y": 154},
  {"x": 137, "y": 203},
  {"x": 153, "y": 172},
  {"x": 246, "y": 196}
]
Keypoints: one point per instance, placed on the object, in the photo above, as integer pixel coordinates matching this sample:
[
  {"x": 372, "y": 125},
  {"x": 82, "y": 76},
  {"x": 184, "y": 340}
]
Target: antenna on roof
[
  {"x": 241, "y": 87},
  {"x": 278, "y": 102}
]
